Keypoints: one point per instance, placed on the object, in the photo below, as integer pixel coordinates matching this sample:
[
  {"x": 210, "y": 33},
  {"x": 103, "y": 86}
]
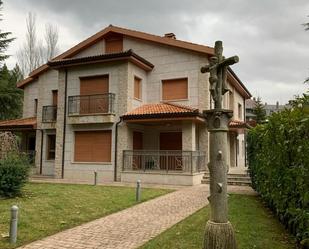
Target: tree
[
  {"x": 306, "y": 25},
  {"x": 4, "y": 41},
  {"x": 10, "y": 96},
  {"x": 259, "y": 111},
  {"x": 34, "y": 52}
]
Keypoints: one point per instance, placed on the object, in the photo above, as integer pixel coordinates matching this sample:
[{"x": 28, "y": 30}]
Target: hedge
[
  {"x": 278, "y": 156},
  {"x": 14, "y": 172}
]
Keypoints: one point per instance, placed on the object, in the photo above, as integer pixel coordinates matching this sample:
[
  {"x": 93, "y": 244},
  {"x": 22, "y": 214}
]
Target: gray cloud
[{"x": 267, "y": 35}]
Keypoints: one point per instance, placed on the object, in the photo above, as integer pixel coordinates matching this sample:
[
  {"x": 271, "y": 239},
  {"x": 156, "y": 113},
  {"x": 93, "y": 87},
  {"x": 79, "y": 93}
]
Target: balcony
[
  {"x": 164, "y": 161},
  {"x": 49, "y": 114},
  {"x": 97, "y": 108}
]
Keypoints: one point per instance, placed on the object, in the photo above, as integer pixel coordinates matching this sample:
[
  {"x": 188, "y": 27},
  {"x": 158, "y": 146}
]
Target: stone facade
[{"x": 169, "y": 63}]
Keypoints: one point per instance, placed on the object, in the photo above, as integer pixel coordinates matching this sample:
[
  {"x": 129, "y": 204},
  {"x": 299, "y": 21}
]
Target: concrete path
[{"x": 131, "y": 227}]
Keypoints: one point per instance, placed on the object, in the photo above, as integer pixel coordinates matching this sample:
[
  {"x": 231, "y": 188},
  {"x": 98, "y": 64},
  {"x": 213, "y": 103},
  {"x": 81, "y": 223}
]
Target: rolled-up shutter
[{"x": 175, "y": 89}]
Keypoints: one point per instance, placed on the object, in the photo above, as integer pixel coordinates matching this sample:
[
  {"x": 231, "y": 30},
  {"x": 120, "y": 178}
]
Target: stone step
[
  {"x": 231, "y": 182},
  {"x": 243, "y": 178},
  {"x": 35, "y": 176}
]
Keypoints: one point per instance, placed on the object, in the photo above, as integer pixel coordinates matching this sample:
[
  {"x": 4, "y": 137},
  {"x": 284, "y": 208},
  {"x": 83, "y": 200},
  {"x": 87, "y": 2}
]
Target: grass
[
  {"x": 255, "y": 228},
  {"x": 45, "y": 209}
]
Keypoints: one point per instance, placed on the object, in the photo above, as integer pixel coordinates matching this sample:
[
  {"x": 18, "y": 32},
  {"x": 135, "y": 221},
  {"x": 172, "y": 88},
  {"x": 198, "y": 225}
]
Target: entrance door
[
  {"x": 171, "y": 142},
  {"x": 137, "y": 146}
]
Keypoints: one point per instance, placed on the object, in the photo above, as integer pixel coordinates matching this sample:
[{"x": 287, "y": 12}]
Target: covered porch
[
  {"x": 24, "y": 131},
  {"x": 167, "y": 145}
]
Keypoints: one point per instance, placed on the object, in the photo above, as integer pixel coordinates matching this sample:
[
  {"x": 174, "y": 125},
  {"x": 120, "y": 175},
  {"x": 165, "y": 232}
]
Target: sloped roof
[
  {"x": 126, "y": 55},
  {"x": 18, "y": 124},
  {"x": 139, "y": 35},
  {"x": 160, "y": 110}
]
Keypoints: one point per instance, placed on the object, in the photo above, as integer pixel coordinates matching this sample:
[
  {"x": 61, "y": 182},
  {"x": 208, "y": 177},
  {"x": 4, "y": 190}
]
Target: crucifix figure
[{"x": 219, "y": 233}]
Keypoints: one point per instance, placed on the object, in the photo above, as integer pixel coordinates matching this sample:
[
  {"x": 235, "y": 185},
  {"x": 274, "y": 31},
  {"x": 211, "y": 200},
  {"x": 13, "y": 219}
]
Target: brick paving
[{"x": 131, "y": 227}]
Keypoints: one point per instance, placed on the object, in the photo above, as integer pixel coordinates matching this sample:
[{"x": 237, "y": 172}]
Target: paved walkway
[{"x": 131, "y": 227}]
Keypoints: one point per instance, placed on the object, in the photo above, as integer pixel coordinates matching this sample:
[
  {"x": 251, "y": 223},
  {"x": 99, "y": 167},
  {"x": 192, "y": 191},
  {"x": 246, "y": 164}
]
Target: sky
[{"x": 267, "y": 35}]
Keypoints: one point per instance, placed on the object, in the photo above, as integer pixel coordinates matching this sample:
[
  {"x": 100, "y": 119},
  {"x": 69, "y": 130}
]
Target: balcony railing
[
  {"x": 168, "y": 161},
  {"x": 92, "y": 104},
  {"x": 49, "y": 113}
]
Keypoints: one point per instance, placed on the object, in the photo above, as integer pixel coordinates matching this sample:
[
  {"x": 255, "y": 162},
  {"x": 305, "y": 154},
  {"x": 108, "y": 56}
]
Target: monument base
[{"x": 219, "y": 236}]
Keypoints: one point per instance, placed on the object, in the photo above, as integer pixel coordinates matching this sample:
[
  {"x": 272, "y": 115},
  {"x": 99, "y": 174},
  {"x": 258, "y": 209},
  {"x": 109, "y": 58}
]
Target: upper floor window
[
  {"x": 55, "y": 97},
  {"x": 35, "y": 107},
  {"x": 137, "y": 88},
  {"x": 113, "y": 44},
  {"x": 239, "y": 111},
  {"x": 175, "y": 89}
]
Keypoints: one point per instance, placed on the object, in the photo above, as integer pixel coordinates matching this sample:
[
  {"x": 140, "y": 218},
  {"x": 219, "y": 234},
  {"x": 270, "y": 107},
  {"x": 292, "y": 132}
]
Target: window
[
  {"x": 137, "y": 88},
  {"x": 239, "y": 111},
  {"x": 175, "y": 89},
  {"x": 113, "y": 44},
  {"x": 55, "y": 97},
  {"x": 51, "y": 147},
  {"x": 93, "y": 146},
  {"x": 35, "y": 107}
]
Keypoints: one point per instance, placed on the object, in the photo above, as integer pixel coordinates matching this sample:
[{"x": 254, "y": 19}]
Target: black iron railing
[
  {"x": 92, "y": 104},
  {"x": 49, "y": 113},
  {"x": 168, "y": 161}
]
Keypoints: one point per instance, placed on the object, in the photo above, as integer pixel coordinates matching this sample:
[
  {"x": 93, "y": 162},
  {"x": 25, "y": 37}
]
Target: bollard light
[
  {"x": 13, "y": 226},
  {"x": 138, "y": 190},
  {"x": 95, "y": 178}
]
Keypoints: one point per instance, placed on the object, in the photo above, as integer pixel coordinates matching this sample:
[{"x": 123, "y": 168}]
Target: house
[
  {"x": 128, "y": 105},
  {"x": 270, "y": 109}
]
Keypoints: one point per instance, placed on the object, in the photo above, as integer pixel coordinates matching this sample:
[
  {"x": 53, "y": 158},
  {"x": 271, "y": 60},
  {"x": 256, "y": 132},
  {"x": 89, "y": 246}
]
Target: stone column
[
  {"x": 188, "y": 136},
  {"x": 219, "y": 232}
]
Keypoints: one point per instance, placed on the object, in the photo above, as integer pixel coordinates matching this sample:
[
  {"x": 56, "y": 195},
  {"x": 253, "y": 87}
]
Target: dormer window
[{"x": 113, "y": 44}]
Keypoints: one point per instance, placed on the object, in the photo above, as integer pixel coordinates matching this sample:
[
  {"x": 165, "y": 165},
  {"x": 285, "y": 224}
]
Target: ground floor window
[
  {"x": 51, "y": 147},
  {"x": 93, "y": 146}
]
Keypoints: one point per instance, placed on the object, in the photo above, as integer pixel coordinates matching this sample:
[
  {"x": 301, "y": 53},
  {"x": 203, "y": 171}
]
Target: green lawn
[
  {"x": 255, "y": 227},
  {"x": 48, "y": 208}
]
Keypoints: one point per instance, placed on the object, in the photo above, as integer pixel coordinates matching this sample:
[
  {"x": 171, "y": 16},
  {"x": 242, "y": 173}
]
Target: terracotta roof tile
[
  {"x": 161, "y": 109},
  {"x": 238, "y": 124},
  {"x": 18, "y": 123}
]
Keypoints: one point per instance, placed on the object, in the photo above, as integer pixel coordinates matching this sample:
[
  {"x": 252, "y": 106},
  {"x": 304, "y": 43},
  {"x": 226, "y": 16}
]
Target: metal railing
[
  {"x": 49, "y": 113},
  {"x": 169, "y": 161},
  {"x": 92, "y": 104}
]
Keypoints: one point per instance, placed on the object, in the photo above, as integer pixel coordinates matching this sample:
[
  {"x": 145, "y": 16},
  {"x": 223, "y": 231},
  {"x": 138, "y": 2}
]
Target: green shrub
[
  {"x": 14, "y": 172},
  {"x": 278, "y": 155}
]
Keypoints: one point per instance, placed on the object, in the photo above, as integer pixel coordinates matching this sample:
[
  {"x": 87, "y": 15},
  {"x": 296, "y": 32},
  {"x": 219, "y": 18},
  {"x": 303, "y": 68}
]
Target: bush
[
  {"x": 278, "y": 155},
  {"x": 14, "y": 172}
]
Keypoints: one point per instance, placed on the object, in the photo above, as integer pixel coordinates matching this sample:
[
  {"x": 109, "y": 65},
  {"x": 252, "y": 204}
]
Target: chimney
[{"x": 170, "y": 35}]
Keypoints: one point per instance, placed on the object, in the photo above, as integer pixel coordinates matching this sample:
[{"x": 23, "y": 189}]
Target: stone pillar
[
  {"x": 219, "y": 232},
  {"x": 59, "y": 125},
  {"x": 125, "y": 142},
  {"x": 188, "y": 136}
]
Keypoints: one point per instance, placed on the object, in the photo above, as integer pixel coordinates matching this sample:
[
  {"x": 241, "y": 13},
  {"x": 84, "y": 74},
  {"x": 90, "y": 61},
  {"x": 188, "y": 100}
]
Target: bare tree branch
[{"x": 51, "y": 39}]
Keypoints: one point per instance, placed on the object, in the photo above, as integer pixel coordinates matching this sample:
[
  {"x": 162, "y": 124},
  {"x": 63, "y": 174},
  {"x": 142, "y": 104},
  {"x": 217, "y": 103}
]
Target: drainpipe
[
  {"x": 116, "y": 145},
  {"x": 64, "y": 120}
]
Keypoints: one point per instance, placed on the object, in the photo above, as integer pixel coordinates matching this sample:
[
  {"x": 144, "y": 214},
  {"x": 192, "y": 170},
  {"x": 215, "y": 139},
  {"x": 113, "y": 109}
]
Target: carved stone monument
[{"x": 219, "y": 233}]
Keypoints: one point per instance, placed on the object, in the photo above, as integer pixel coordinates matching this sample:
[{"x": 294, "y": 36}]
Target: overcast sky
[{"x": 267, "y": 35}]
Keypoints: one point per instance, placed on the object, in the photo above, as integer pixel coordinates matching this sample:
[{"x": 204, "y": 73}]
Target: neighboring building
[
  {"x": 128, "y": 105},
  {"x": 250, "y": 105},
  {"x": 270, "y": 109}
]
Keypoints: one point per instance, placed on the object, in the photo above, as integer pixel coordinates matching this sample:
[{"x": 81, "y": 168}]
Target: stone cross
[
  {"x": 219, "y": 233},
  {"x": 217, "y": 68}
]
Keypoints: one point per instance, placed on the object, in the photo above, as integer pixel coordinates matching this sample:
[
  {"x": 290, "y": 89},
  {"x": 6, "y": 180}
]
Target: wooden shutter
[
  {"x": 93, "y": 146},
  {"x": 175, "y": 89},
  {"x": 113, "y": 44},
  {"x": 55, "y": 97},
  {"x": 94, "y": 86},
  {"x": 137, "y": 88}
]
